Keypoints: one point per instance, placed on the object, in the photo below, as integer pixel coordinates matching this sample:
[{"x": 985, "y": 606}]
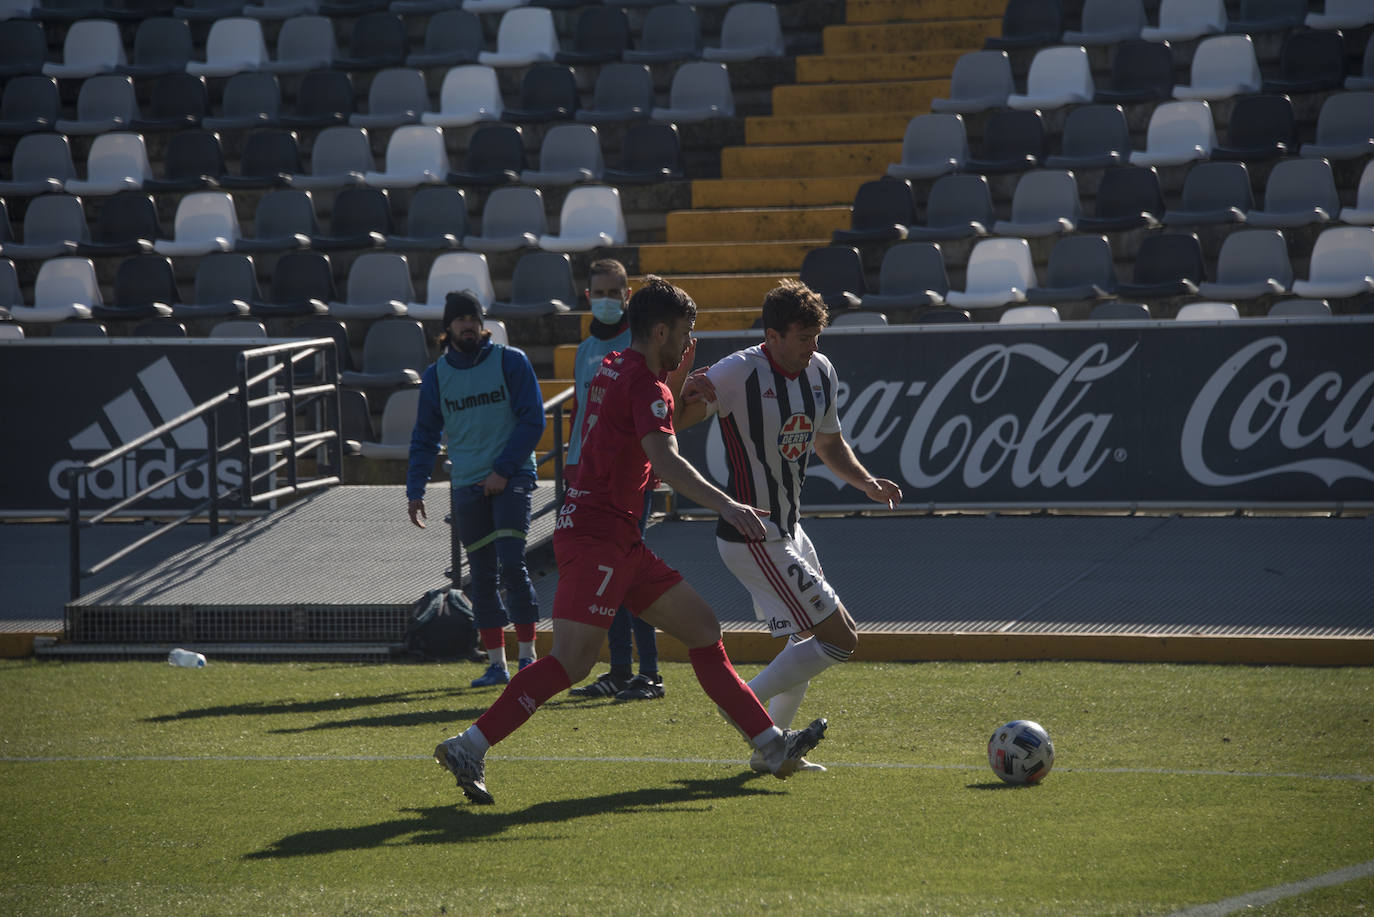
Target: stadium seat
[
  {"x": 340, "y": 158},
  {"x": 512, "y": 219},
  {"x": 377, "y": 41},
  {"x": 208, "y": 10},
  {"x": 699, "y": 91},
  {"x": 73, "y": 328},
  {"x": 934, "y": 144},
  {"x": 1224, "y": 66},
  {"x": 1093, "y": 137},
  {"x": 1028, "y": 315},
  {"x": 10, "y": 294},
  {"x": 1252, "y": 263},
  {"x": 283, "y": 220},
  {"x": 394, "y": 355},
  {"x": 54, "y": 225},
  {"x": 436, "y": 220},
  {"x": 548, "y": 92},
  {"x": 225, "y": 285},
  {"x": 1142, "y": 71},
  {"x": 601, "y": 35},
  {"x": 1300, "y": 308},
  {"x": 1080, "y": 267},
  {"x": 570, "y": 153},
  {"x": 591, "y": 218},
  {"x": 1183, "y": 20},
  {"x": 671, "y": 32},
  {"x": 999, "y": 272},
  {"x": 541, "y": 284},
  {"x": 1013, "y": 141},
  {"x": 1108, "y": 22},
  {"x": 250, "y": 100},
  {"x": 454, "y": 271},
  {"x": 65, "y": 288},
  {"x": 176, "y": 101},
  {"x": 1213, "y": 192},
  {"x": 1365, "y": 78},
  {"x": 858, "y": 318},
  {"x": 1045, "y": 203},
  {"x": 1299, "y": 192},
  {"x": 493, "y": 6},
  {"x": 1058, "y": 76},
  {"x": 525, "y": 35},
  {"x": 248, "y": 329},
  {"x": 1309, "y": 62},
  {"x": 1207, "y": 312},
  {"x": 882, "y": 211},
  {"x": 280, "y": 9},
  {"x": 1342, "y": 14},
  {"x": 981, "y": 81},
  {"x": 304, "y": 43},
  {"x": 1116, "y": 310},
  {"x": 1362, "y": 214},
  {"x": 623, "y": 92},
  {"x": 361, "y": 219},
  {"x": 355, "y": 419},
  {"x": 104, "y": 103},
  {"x": 205, "y": 222},
  {"x": 912, "y": 275},
  {"x": 23, "y": 48},
  {"x": 128, "y": 225},
  {"x": 1261, "y": 127},
  {"x": 452, "y": 37},
  {"x": 749, "y": 31},
  {"x": 1167, "y": 264},
  {"x": 40, "y": 164},
  {"x": 302, "y": 284},
  {"x": 117, "y": 162},
  {"x": 92, "y": 46},
  {"x": 161, "y": 45},
  {"x": 469, "y": 94},
  {"x": 29, "y": 103},
  {"x": 649, "y": 152},
  {"x": 378, "y": 286},
  {"x": 336, "y": 330},
  {"x": 1028, "y": 24},
  {"x": 346, "y": 9},
  {"x": 234, "y": 45},
  {"x": 836, "y": 272},
  {"x": 192, "y": 160},
  {"x": 398, "y": 422},
  {"x": 324, "y": 99},
  {"x": 268, "y": 157},
  {"x": 943, "y": 316},
  {"x": 959, "y": 207},
  {"x": 1345, "y": 127},
  {"x": 495, "y": 156},
  {"x": 1268, "y": 16},
  {"x": 1342, "y": 264},
  {"x": 1178, "y": 132},
  {"x": 144, "y": 287},
  {"x": 415, "y": 155}
]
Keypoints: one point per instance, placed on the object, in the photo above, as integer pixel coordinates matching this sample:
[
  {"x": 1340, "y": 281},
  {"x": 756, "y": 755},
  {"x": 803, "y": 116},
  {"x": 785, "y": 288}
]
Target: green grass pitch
[{"x": 248, "y": 789}]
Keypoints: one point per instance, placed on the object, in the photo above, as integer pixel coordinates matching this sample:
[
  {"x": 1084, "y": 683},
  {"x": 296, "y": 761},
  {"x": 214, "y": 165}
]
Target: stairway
[{"x": 791, "y": 184}]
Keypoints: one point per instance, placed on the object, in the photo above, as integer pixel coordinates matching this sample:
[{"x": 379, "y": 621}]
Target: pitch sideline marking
[{"x": 1278, "y": 892}]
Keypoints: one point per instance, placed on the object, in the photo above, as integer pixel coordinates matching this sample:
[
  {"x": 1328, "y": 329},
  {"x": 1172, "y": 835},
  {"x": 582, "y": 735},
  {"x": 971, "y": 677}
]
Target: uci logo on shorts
[{"x": 601, "y": 610}]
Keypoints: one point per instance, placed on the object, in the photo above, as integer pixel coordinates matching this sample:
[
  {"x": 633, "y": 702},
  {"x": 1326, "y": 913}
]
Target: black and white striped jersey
[{"x": 768, "y": 422}]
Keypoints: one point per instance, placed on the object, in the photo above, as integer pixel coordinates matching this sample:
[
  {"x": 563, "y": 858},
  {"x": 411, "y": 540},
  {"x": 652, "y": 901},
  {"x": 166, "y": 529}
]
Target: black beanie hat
[{"x": 461, "y": 303}]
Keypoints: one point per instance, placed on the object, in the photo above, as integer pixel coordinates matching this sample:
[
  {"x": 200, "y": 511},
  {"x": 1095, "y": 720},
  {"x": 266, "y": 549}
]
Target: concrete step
[
  {"x": 550, "y": 387},
  {"x": 909, "y": 97},
  {"x": 850, "y": 68},
  {"x": 732, "y": 257},
  {"x": 825, "y": 128},
  {"x": 707, "y": 320},
  {"x": 870, "y": 11},
  {"x": 905, "y": 37},
  {"x": 565, "y": 360},
  {"x": 756, "y": 224},
  {"x": 725, "y": 291},
  {"x": 775, "y": 192},
  {"x": 818, "y": 159}
]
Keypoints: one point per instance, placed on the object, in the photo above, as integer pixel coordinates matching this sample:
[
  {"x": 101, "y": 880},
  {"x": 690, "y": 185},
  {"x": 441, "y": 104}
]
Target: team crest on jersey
[
  {"x": 660, "y": 408},
  {"x": 794, "y": 437}
]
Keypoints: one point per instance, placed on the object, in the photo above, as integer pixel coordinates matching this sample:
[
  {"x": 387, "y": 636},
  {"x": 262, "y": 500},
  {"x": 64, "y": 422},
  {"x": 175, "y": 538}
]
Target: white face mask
[{"x": 607, "y": 310}]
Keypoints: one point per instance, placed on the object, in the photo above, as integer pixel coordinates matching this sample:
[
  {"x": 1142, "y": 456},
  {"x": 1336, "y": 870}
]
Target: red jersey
[{"x": 625, "y": 403}]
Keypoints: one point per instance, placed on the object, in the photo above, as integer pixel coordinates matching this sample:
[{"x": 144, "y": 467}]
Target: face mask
[{"x": 608, "y": 310}]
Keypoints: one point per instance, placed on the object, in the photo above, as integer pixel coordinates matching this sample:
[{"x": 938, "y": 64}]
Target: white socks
[
  {"x": 784, "y": 680},
  {"x": 497, "y": 655},
  {"x": 526, "y": 650}
]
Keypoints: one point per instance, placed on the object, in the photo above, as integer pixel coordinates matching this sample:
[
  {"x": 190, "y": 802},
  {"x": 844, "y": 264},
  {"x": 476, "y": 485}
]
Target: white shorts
[{"x": 784, "y": 577}]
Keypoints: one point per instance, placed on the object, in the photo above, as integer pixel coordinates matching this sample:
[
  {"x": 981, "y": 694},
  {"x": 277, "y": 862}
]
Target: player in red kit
[{"x": 603, "y": 562}]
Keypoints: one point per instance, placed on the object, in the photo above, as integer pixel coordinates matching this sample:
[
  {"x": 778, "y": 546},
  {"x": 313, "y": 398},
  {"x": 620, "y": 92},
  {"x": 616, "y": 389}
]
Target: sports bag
[{"x": 441, "y": 626}]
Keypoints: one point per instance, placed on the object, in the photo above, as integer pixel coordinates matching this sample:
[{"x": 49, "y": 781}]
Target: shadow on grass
[
  {"x": 464, "y": 823},
  {"x": 999, "y": 785},
  {"x": 324, "y": 705}
]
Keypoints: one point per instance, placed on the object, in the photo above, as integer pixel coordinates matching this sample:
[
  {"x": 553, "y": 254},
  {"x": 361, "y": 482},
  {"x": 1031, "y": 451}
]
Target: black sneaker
[
  {"x": 642, "y": 687},
  {"x": 606, "y": 685},
  {"x": 784, "y": 754}
]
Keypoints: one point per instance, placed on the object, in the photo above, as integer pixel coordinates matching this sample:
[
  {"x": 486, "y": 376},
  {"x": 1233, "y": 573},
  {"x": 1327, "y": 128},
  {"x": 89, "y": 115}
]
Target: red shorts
[{"x": 596, "y": 576}]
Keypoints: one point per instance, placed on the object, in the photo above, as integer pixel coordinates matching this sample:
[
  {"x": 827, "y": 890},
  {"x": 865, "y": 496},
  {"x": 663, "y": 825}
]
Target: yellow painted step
[
  {"x": 905, "y": 37},
  {"x": 809, "y": 159},
  {"x": 755, "y": 224},
  {"x": 909, "y": 97},
  {"x": 551, "y": 387},
  {"x": 729, "y": 257},
  {"x": 854, "y": 68},
  {"x": 826, "y": 128},
  {"x": 858, "y": 11},
  {"x": 565, "y": 359},
  {"x": 728, "y": 291},
  {"x": 727, "y": 319},
  {"x": 775, "y": 192}
]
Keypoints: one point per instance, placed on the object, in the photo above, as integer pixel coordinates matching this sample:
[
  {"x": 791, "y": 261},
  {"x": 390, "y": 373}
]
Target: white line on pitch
[{"x": 1269, "y": 895}]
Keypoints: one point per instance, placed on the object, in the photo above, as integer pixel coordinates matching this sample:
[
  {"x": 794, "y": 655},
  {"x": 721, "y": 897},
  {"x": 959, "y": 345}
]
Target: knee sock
[
  {"x": 528, "y": 689},
  {"x": 784, "y": 705},
  {"x": 494, "y": 642},
  {"x": 799, "y": 662},
  {"x": 524, "y": 633},
  {"x": 723, "y": 685}
]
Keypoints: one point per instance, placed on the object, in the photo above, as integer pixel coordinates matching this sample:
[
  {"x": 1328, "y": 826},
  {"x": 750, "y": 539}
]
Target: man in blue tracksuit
[{"x": 483, "y": 400}]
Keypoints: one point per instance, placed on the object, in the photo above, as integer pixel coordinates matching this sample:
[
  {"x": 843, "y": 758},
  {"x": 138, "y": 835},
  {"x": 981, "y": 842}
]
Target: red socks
[
  {"x": 722, "y": 685},
  {"x": 528, "y": 689},
  {"x": 493, "y": 638},
  {"x": 525, "y": 632}
]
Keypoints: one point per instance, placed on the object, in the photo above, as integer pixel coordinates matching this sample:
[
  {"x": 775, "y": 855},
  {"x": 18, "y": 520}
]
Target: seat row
[{"x": 73, "y": 10}]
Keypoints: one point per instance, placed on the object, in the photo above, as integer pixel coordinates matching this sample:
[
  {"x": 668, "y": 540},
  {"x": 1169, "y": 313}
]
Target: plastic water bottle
[{"x": 186, "y": 659}]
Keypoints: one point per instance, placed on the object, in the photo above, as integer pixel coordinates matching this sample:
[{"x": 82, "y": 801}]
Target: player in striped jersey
[{"x": 776, "y": 406}]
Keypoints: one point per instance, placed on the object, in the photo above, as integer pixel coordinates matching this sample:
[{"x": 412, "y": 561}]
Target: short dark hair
[
  {"x": 608, "y": 266},
  {"x": 793, "y": 302},
  {"x": 658, "y": 302}
]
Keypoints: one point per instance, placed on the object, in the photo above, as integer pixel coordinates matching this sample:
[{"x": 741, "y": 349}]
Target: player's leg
[
  {"x": 472, "y": 513},
  {"x": 511, "y": 521},
  {"x": 608, "y": 684},
  {"x": 648, "y": 684}
]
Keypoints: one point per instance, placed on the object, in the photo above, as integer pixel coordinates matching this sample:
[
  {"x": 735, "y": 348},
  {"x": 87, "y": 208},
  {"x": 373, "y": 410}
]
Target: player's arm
[
  {"x": 696, "y": 401},
  {"x": 424, "y": 445},
  {"x": 661, "y": 449},
  {"x": 834, "y": 450}
]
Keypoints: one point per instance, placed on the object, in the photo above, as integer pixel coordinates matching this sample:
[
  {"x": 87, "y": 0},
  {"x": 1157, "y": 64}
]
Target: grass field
[{"x": 137, "y": 788}]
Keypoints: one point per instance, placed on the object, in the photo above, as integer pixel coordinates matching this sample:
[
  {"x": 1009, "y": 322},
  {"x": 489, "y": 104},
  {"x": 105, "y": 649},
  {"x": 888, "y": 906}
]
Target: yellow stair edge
[
  {"x": 728, "y": 291},
  {"x": 876, "y": 11},
  {"x": 856, "y": 128},
  {"x": 832, "y": 68},
  {"x": 755, "y": 224},
  {"x": 910, "y": 96},
  {"x": 908, "y": 36},
  {"x": 812, "y": 159},
  {"x": 668, "y": 259},
  {"x": 775, "y": 192},
  {"x": 565, "y": 359}
]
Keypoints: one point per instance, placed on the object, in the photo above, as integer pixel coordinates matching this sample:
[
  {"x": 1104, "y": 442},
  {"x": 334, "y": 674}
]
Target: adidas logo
[
  {"x": 158, "y": 396},
  {"x": 768, "y": 393}
]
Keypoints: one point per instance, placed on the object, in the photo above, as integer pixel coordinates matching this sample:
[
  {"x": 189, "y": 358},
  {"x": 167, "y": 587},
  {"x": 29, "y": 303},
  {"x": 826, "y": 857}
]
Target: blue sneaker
[
  {"x": 494, "y": 675},
  {"x": 528, "y": 660}
]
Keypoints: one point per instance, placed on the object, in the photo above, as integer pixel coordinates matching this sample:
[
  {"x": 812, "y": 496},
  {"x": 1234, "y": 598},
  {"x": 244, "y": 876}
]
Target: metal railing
[
  {"x": 258, "y": 417},
  {"x": 555, "y": 404}
]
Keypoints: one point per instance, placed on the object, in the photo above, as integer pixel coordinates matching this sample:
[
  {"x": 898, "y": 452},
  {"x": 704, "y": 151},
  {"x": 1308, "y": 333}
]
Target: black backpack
[{"x": 441, "y": 627}]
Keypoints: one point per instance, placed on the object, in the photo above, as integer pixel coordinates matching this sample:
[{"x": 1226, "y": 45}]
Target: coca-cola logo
[{"x": 1264, "y": 411}]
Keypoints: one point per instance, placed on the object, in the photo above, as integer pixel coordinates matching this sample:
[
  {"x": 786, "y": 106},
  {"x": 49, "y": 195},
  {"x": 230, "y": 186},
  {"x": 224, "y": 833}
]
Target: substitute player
[
  {"x": 603, "y": 562},
  {"x": 776, "y": 403}
]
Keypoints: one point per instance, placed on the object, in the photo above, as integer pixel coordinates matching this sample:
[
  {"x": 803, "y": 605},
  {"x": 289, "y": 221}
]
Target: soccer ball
[{"x": 1021, "y": 752}]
